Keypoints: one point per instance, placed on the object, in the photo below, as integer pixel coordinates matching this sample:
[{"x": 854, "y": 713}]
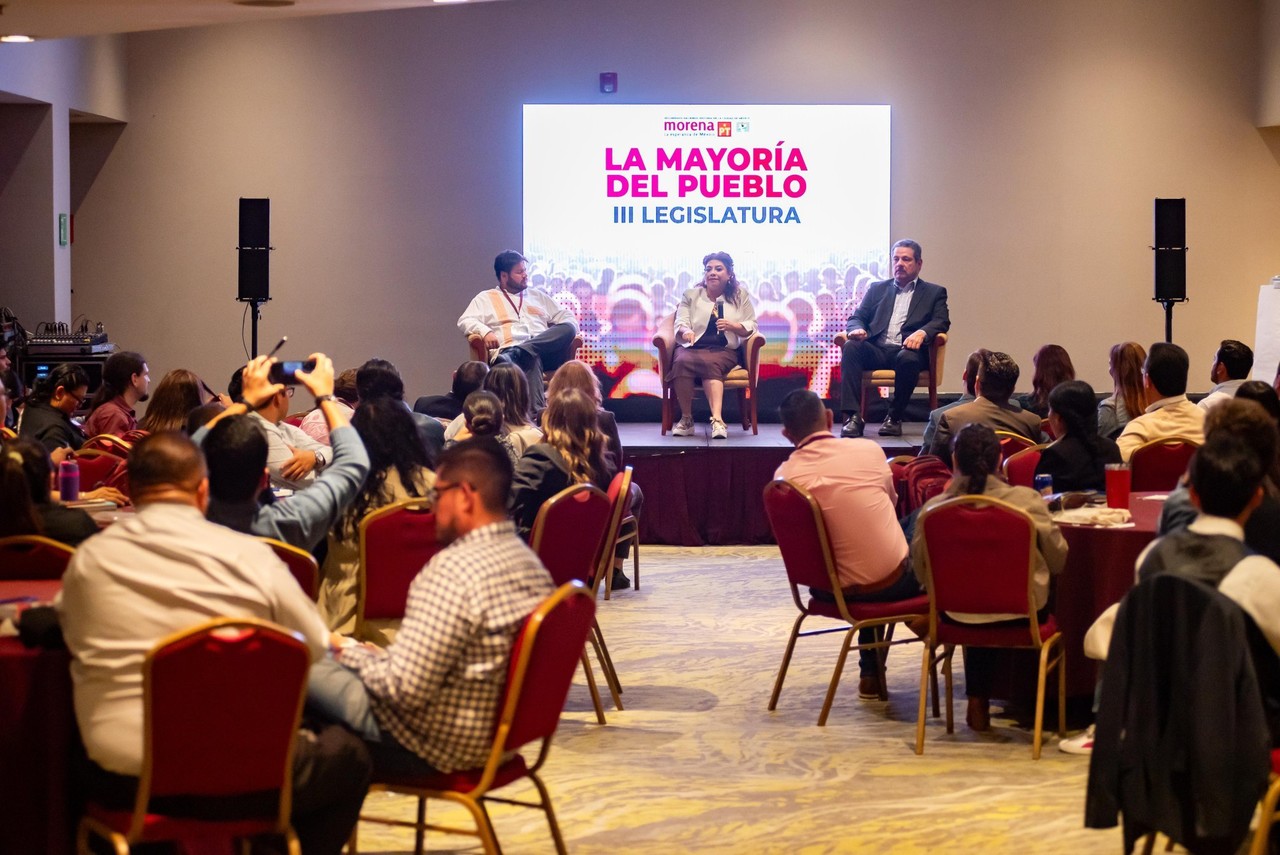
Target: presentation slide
[{"x": 621, "y": 203}]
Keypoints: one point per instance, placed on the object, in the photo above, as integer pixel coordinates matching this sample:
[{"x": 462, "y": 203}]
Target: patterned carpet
[{"x": 697, "y": 764}]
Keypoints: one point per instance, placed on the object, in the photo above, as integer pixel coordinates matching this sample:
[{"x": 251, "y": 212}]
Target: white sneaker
[
  {"x": 1081, "y": 743},
  {"x": 683, "y": 428},
  {"x": 718, "y": 430}
]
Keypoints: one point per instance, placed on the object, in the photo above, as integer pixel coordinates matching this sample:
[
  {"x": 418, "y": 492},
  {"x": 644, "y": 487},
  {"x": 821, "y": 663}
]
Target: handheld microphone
[{"x": 720, "y": 308}]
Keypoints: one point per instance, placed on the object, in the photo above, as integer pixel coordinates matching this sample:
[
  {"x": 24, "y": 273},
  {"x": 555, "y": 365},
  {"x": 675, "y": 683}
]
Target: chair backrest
[
  {"x": 134, "y": 435},
  {"x": 1011, "y": 443},
  {"x": 569, "y": 533},
  {"x": 1157, "y": 465},
  {"x": 1047, "y": 429},
  {"x": 619, "y": 502},
  {"x": 8, "y": 433},
  {"x": 801, "y": 533},
  {"x": 109, "y": 443},
  {"x": 924, "y": 477},
  {"x": 543, "y": 661},
  {"x": 981, "y": 557},
  {"x": 302, "y": 565},
  {"x": 30, "y": 556},
  {"x": 396, "y": 542},
  {"x": 295, "y": 419},
  {"x": 222, "y": 702},
  {"x": 1020, "y": 468},
  {"x": 97, "y": 467},
  {"x": 898, "y": 468}
]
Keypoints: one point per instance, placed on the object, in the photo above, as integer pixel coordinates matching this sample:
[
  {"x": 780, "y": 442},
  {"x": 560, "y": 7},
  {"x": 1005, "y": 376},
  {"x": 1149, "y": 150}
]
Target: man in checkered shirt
[{"x": 427, "y": 703}]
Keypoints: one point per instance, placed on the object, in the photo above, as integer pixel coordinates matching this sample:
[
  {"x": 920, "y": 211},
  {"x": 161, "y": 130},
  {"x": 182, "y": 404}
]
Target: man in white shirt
[
  {"x": 1171, "y": 414},
  {"x": 293, "y": 458},
  {"x": 1231, "y": 366},
  {"x": 166, "y": 569},
  {"x": 526, "y": 326}
]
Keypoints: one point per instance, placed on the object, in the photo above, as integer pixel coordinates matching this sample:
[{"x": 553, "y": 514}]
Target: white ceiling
[{"x": 53, "y": 19}]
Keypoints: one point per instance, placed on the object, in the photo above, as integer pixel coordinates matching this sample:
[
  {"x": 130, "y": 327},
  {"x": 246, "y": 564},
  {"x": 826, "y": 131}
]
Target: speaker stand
[
  {"x": 1168, "y": 318},
  {"x": 256, "y": 306}
]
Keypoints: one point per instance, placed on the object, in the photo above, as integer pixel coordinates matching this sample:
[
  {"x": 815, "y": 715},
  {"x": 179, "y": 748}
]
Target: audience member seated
[
  {"x": 968, "y": 378},
  {"x": 571, "y": 453},
  {"x": 713, "y": 320},
  {"x": 237, "y": 451},
  {"x": 1170, "y": 413},
  {"x": 163, "y": 570},
  {"x": 851, "y": 482},
  {"x": 202, "y": 415},
  {"x": 294, "y": 460},
  {"x": 1226, "y": 491},
  {"x": 1231, "y": 366},
  {"x": 26, "y": 505},
  {"x": 46, "y": 418},
  {"x": 1077, "y": 459},
  {"x": 997, "y": 376},
  {"x": 6, "y": 400},
  {"x": 177, "y": 394},
  {"x": 428, "y": 701},
  {"x": 976, "y": 460},
  {"x": 1052, "y": 366},
  {"x": 1129, "y": 395},
  {"x": 399, "y": 468},
  {"x": 482, "y": 415},
  {"x": 468, "y": 378},
  {"x": 316, "y": 424},
  {"x": 512, "y": 388},
  {"x": 1251, "y": 423},
  {"x": 1259, "y": 392},
  {"x": 378, "y": 378},
  {"x": 125, "y": 380},
  {"x": 576, "y": 374}
]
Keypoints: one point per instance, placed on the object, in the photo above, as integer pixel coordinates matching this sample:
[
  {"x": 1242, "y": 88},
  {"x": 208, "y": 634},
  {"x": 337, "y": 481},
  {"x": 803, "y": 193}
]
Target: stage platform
[{"x": 704, "y": 492}]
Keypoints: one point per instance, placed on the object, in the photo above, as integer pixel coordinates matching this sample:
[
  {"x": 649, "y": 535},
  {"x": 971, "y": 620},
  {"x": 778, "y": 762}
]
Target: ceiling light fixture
[
  {"x": 265, "y": 4},
  {"x": 16, "y": 39}
]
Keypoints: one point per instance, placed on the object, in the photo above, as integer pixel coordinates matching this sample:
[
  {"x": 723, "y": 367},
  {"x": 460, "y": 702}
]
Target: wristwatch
[{"x": 320, "y": 399}]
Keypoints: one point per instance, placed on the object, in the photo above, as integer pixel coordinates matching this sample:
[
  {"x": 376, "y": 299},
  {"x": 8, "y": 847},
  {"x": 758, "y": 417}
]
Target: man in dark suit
[{"x": 892, "y": 328}]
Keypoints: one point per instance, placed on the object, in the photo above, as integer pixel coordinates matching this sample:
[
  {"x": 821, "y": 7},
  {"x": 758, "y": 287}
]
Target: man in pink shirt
[{"x": 851, "y": 482}]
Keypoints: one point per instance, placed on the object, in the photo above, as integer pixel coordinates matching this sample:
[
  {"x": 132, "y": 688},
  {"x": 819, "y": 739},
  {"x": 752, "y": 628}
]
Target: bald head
[{"x": 167, "y": 466}]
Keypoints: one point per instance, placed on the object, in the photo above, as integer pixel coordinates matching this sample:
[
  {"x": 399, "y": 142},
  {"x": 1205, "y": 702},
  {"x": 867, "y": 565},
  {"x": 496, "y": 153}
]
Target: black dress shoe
[
  {"x": 853, "y": 427},
  {"x": 891, "y": 427},
  {"x": 620, "y": 581}
]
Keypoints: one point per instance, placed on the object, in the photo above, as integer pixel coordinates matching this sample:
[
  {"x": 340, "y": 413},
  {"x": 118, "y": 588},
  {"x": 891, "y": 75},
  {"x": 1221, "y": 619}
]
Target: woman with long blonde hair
[
  {"x": 1130, "y": 397},
  {"x": 571, "y": 452}
]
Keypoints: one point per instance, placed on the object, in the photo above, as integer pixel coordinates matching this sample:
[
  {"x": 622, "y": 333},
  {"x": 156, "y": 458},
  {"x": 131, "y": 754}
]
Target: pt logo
[{"x": 724, "y": 129}]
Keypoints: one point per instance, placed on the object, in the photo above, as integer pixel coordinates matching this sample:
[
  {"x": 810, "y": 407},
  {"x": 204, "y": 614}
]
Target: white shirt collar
[{"x": 1208, "y": 524}]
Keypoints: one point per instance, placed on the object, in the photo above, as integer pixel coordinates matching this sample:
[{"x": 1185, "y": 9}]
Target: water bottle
[{"x": 69, "y": 480}]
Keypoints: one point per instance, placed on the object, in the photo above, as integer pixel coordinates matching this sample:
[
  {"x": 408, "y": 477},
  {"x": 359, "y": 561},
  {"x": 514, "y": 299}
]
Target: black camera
[{"x": 287, "y": 372}]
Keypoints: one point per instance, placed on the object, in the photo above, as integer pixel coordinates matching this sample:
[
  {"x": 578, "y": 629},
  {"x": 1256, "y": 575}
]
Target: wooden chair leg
[
  {"x": 635, "y": 555},
  {"x": 948, "y": 654},
  {"x": 1062, "y": 693},
  {"x": 786, "y": 662},
  {"x": 551, "y": 814},
  {"x": 420, "y": 832},
  {"x": 925, "y": 670},
  {"x": 591, "y": 686},
  {"x": 742, "y": 409},
  {"x": 1038, "y": 734},
  {"x": 1149, "y": 843},
  {"x": 605, "y": 659},
  {"x": 610, "y": 679},
  {"x": 1266, "y": 815},
  {"x": 835, "y": 677}
]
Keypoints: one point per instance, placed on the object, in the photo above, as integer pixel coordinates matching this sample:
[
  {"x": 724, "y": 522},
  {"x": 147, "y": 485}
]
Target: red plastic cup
[{"x": 1118, "y": 485}]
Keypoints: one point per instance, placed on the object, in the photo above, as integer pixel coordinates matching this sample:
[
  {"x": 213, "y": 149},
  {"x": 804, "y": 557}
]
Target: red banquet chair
[
  {"x": 396, "y": 542},
  {"x": 545, "y": 655},
  {"x": 132, "y": 436},
  {"x": 98, "y": 468},
  {"x": 1267, "y": 811},
  {"x": 568, "y": 536},
  {"x": 980, "y": 558},
  {"x": 1157, "y": 465},
  {"x": 302, "y": 565},
  {"x": 31, "y": 556},
  {"x": 109, "y": 443},
  {"x": 801, "y": 533},
  {"x": 627, "y": 528},
  {"x": 1011, "y": 443},
  {"x": 1020, "y": 468},
  {"x": 221, "y": 704}
]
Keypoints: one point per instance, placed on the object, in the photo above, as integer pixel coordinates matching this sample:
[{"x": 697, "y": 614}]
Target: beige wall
[{"x": 1029, "y": 140}]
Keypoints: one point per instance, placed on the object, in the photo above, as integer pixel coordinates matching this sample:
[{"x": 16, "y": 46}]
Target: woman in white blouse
[{"x": 713, "y": 319}]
